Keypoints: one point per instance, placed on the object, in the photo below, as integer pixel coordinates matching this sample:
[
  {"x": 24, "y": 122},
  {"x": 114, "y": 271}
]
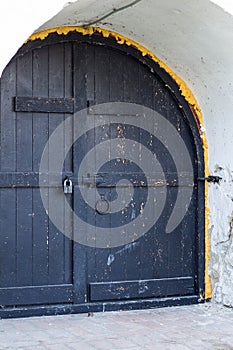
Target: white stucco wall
[{"x": 194, "y": 38}]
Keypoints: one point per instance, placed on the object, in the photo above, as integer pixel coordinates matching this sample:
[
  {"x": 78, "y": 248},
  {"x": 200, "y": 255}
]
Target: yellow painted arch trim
[{"x": 185, "y": 91}]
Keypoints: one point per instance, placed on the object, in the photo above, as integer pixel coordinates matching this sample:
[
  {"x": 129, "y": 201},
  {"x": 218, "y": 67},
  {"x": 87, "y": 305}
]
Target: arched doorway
[{"x": 137, "y": 144}]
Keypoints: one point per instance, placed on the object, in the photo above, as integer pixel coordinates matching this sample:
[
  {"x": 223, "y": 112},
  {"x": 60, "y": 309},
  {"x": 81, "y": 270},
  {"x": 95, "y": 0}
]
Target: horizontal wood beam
[
  {"x": 120, "y": 290},
  {"x": 44, "y": 105},
  {"x": 30, "y": 295}
]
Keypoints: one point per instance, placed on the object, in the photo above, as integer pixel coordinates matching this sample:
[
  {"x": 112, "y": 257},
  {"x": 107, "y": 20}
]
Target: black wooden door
[
  {"x": 125, "y": 174},
  {"x": 131, "y": 162}
]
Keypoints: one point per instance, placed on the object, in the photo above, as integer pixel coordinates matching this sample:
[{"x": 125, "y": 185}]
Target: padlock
[{"x": 67, "y": 186}]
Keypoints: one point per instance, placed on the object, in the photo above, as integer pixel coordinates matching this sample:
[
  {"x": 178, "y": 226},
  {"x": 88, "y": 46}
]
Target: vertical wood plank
[
  {"x": 79, "y": 251},
  {"x": 56, "y": 81},
  {"x": 101, "y": 72},
  {"x": 8, "y": 276},
  {"x": 8, "y": 164},
  {"x": 147, "y": 246},
  {"x": 131, "y": 86},
  {"x": 68, "y": 92},
  {"x": 117, "y": 257},
  {"x": 131, "y": 94},
  {"x": 91, "y": 193},
  {"x": 8, "y": 119},
  {"x": 68, "y": 164},
  {"x": 25, "y": 217},
  {"x": 102, "y": 83},
  {"x": 40, "y": 137},
  {"x": 24, "y": 164}
]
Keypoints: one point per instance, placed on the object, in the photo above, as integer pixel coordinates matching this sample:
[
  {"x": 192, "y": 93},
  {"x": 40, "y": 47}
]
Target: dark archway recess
[{"x": 43, "y": 272}]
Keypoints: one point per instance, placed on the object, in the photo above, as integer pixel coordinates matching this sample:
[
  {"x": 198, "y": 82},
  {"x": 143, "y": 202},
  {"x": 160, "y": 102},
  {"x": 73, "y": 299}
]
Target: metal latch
[
  {"x": 93, "y": 180},
  {"x": 211, "y": 178}
]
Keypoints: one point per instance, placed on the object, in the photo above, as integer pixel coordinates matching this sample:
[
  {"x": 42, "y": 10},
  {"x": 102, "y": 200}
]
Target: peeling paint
[
  {"x": 208, "y": 286},
  {"x": 111, "y": 259},
  {"x": 127, "y": 248},
  {"x": 221, "y": 266},
  {"x": 185, "y": 92}
]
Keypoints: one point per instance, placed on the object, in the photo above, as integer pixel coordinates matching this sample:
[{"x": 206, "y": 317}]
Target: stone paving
[{"x": 206, "y": 326}]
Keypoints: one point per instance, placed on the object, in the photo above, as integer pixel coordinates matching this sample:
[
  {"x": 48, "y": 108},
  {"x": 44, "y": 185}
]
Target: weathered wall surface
[
  {"x": 221, "y": 233},
  {"x": 195, "y": 39}
]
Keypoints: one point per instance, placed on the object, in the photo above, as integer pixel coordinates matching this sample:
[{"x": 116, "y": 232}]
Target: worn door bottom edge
[{"x": 62, "y": 309}]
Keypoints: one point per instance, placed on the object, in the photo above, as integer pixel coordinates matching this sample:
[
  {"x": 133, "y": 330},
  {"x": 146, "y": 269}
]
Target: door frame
[{"x": 190, "y": 111}]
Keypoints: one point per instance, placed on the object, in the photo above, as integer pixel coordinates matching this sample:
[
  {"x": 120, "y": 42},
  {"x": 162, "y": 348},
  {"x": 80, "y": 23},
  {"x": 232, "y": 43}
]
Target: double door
[{"x": 100, "y": 121}]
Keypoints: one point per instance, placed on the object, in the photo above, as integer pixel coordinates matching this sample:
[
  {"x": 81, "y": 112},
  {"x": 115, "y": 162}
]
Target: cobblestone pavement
[{"x": 203, "y": 327}]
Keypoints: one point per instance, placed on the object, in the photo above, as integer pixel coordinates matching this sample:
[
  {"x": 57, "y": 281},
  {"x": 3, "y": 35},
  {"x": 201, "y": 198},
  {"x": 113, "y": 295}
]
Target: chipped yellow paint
[
  {"x": 185, "y": 91},
  {"x": 208, "y": 286}
]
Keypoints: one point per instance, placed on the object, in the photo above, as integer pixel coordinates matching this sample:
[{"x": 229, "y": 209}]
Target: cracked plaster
[{"x": 221, "y": 233}]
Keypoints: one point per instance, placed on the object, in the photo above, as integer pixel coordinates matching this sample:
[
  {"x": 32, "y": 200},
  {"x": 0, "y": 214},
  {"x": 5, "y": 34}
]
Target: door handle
[{"x": 102, "y": 206}]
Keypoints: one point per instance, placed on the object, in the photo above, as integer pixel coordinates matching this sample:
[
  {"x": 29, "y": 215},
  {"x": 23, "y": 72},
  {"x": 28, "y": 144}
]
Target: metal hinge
[{"x": 211, "y": 178}]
